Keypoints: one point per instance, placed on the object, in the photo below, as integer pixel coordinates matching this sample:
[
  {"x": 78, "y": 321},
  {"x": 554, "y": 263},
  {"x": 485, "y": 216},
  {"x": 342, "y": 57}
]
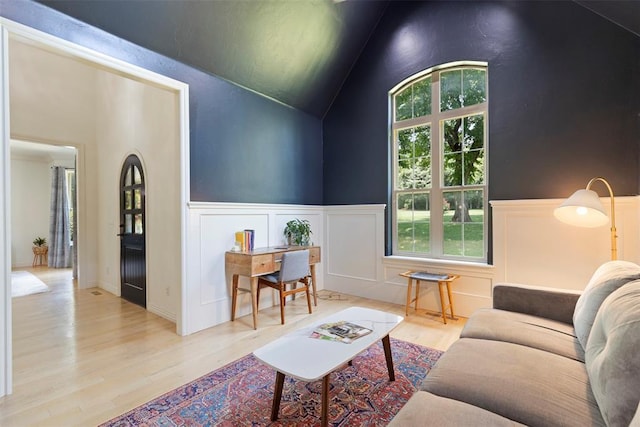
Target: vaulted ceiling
[{"x": 298, "y": 52}]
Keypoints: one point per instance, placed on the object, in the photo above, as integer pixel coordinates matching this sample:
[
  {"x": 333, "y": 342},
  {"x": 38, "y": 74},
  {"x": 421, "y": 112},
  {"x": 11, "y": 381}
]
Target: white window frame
[{"x": 435, "y": 121}]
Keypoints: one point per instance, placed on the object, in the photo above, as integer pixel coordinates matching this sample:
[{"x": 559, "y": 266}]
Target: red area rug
[{"x": 241, "y": 393}]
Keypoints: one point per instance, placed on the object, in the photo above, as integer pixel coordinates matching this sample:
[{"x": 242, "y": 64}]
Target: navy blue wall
[
  {"x": 244, "y": 147},
  {"x": 563, "y": 97}
]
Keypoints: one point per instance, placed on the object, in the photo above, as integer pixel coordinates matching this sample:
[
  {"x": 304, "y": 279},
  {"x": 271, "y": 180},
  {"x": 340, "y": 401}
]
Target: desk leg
[
  {"x": 442, "y": 306},
  {"x": 410, "y": 282},
  {"x": 453, "y": 316},
  {"x": 386, "y": 344},
  {"x": 325, "y": 401},
  {"x": 254, "y": 301},
  {"x": 417, "y": 294},
  {"x": 312, "y": 267},
  {"x": 277, "y": 395},
  {"x": 234, "y": 296}
]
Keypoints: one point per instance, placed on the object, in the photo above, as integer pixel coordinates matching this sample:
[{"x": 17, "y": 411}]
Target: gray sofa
[{"x": 541, "y": 357}]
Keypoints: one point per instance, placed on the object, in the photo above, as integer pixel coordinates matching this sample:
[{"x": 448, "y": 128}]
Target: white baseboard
[{"x": 161, "y": 312}]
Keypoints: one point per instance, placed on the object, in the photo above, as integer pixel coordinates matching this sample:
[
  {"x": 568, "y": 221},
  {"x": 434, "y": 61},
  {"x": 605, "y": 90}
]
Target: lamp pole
[{"x": 614, "y": 249}]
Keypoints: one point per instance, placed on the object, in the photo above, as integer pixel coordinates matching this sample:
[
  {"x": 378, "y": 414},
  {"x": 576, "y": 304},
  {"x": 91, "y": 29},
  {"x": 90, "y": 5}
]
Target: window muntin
[
  {"x": 463, "y": 150},
  {"x": 414, "y": 157},
  {"x": 414, "y": 100},
  {"x": 439, "y": 164},
  {"x": 461, "y": 88}
]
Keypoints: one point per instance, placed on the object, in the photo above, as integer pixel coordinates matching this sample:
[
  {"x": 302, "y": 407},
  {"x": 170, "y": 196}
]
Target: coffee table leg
[
  {"x": 277, "y": 395},
  {"x": 325, "y": 401},
  {"x": 386, "y": 344}
]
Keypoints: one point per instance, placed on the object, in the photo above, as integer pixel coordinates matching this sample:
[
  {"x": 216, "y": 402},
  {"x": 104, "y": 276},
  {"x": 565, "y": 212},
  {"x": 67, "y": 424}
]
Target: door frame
[
  {"x": 143, "y": 174},
  {"x": 11, "y": 29}
]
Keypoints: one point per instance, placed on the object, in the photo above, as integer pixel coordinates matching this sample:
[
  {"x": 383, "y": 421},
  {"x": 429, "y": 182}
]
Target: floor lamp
[{"x": 584, "y": 209}]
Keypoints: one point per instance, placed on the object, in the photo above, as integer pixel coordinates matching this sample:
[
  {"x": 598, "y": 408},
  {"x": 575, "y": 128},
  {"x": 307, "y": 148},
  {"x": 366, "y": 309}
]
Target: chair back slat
[{"x": 295, "y": 265}]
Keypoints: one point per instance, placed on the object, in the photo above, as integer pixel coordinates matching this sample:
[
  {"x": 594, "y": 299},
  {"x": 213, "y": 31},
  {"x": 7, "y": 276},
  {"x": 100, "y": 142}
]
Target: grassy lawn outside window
[{"x": 439, "y": 146}]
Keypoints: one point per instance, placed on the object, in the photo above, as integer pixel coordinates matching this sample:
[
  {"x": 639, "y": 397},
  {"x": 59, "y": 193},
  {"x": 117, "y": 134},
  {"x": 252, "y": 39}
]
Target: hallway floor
[{"x": 84, "y": 356}]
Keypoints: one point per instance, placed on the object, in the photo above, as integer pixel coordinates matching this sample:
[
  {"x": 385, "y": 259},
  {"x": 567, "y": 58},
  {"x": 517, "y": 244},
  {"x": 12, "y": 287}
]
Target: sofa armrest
[{"x": 550, "y": 303}]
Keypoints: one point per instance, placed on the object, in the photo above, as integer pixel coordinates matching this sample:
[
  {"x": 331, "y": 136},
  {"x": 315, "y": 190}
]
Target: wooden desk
[
  {"x": 443, "y": 280},
  {"x": 263, "y": 261}
]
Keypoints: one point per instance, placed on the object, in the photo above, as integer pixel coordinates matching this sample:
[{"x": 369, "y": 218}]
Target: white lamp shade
[{"x": 582, "y": 209}]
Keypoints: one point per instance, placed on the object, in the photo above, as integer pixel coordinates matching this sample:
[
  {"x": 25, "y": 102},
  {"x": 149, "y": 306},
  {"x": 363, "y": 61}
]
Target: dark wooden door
[{"x": 133, "y": 276}]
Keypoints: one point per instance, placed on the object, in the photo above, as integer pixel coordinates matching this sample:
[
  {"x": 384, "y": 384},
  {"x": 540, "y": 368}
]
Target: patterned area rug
[
  {"x": 241, "y": 393},
  {"x": 24, "y": 283}
]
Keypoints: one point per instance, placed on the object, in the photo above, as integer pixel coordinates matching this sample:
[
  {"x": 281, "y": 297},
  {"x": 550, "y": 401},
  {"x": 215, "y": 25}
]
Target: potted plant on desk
[{"x": 297, "y": 232}]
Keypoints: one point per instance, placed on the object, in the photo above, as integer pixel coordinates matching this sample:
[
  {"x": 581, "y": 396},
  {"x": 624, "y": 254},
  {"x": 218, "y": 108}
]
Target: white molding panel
[{"x": 355, "y": 235}]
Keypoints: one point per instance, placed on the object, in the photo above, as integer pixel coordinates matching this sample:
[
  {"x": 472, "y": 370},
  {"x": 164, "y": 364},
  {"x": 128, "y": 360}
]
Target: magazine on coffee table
[{"x": 342, "y": 331}]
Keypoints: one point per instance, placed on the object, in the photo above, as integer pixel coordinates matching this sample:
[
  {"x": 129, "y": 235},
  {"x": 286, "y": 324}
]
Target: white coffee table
[{"x": 308, "y": 359}]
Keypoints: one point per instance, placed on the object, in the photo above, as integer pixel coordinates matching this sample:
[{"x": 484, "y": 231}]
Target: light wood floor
[{"x": 82, "y": 357}]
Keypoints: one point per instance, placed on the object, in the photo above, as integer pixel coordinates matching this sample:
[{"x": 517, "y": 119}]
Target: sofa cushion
[
  {"x": 524, "y": 384},
  {"x": 550, "y": 303},
  {"x": 606, "y": 279},
  {"x": 613, "y": 355},
  {"x": 532, "y": 331},
  {"x": 426, "y": 409}
]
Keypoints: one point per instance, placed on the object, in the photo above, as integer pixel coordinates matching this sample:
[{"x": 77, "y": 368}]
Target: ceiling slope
[{"x": 296, "y": 52}]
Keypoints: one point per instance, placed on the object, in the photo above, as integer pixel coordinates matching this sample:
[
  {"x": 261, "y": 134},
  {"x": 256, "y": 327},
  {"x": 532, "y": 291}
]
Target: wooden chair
[{"x": 293, "y": 270}]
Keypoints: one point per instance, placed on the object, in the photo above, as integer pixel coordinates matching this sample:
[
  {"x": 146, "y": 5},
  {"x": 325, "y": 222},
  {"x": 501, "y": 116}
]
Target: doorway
[
  {"x": 51, "y": 99},
  {"x": 32, "y": 167},
  {"x": 133, "y": 274}
]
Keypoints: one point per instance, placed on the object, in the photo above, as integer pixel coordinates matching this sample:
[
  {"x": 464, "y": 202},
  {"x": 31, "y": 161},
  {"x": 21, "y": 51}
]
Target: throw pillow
[
  {"x": 611, "y": 357},
  {"x": 606, "y": 279}
]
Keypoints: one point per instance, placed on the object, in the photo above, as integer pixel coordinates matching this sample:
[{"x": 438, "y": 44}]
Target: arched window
[{"x": 439, "y": 165}]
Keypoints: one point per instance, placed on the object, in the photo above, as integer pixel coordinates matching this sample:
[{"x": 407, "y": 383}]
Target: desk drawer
[
  {"x": 263, "y": 264},
  {"x": 314, "y": 255}
]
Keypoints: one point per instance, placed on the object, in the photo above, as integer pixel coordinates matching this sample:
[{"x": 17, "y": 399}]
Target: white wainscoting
[
  {"x": 356, "y": 264},
  {"x": 212, "y": 228},
  {"x": 529, "y": 246}
]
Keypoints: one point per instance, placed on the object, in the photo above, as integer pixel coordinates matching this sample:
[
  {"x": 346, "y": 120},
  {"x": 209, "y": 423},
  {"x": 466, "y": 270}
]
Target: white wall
[
  {"x": 30, "y": 191},
  {"x": 58, "y": 99},
  {"x": 53, "y": 100},
  {"x": 134, "y": 118},
  {"x": 6, "y": 364},
  {"x": 531, "y": 246},
  {"x": 52, "y": 97}
]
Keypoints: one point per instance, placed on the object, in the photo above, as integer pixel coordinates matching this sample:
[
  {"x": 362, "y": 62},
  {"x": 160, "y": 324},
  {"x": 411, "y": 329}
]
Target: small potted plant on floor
[
  {"x": 297, "y": 232},
  {"x": 39, "y": 245},
  {"x": 40, "y": 248}
]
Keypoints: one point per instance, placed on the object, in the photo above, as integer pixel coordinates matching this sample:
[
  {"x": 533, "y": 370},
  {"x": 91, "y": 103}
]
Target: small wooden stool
[{"x": 443, "y": 280}]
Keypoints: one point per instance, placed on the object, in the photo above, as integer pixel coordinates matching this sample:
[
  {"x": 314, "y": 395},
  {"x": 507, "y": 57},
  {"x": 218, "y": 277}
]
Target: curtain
[
  {"x": 74, "y": 226},
  {"x": 59, "y": 238}
]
